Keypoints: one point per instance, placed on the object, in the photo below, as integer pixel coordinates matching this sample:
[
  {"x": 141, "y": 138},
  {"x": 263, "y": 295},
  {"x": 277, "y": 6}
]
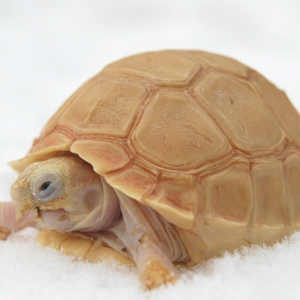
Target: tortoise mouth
[{"x": 52, "y": 219}]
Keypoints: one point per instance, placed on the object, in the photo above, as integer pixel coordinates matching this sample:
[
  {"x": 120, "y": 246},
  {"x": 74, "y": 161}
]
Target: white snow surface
[{"x": 49, "y": 48}]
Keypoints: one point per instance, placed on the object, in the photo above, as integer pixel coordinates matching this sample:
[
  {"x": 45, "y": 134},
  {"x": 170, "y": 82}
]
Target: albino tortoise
[{"x": 196, "y": 153}]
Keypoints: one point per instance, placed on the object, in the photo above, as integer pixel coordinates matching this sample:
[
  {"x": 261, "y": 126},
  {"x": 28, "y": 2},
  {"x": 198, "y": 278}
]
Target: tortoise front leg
[
  {"x": 8, "y": 221},
  {"x": 154, "y": 267},
  {"x": 144, "y": 244},
  {"x": 91, "y": 248}
]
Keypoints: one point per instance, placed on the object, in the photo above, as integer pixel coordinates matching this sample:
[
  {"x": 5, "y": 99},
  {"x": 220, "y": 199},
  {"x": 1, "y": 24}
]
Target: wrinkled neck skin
[
  {"x": 148, "y": 239},
  {"x": 132, "y": 223},
  {"x": 141, "y": 224},
  {"x": 66, "y": 194},
  {"x": 132, "y": 229},
  {"x": 103, "y": 212},
  {"x": 144, "y": 236}
]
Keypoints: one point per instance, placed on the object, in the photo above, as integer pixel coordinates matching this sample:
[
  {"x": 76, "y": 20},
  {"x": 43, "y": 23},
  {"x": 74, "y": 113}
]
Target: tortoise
[{"x": 165, "y": 157}]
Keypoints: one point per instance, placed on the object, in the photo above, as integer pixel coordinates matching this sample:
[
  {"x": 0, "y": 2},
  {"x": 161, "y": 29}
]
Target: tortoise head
[{"x": 65, "y": 194}]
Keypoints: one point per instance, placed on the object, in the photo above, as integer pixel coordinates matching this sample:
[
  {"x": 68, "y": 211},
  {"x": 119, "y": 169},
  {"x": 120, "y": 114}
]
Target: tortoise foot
[
  {"x": 156, "y": 274},
  {"x": 81, "y": 246}
]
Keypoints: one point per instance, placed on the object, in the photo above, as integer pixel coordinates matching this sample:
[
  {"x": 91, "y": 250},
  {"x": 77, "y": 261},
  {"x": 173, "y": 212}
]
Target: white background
[{"x": 49, "y": 48}]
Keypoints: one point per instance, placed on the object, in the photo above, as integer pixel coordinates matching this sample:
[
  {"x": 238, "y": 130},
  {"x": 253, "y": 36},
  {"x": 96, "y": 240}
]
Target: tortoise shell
[{"x": 205, "y": 141}]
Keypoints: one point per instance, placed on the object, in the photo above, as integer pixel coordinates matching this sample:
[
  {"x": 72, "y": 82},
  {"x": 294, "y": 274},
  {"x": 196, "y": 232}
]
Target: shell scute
[
  {"x": 55, "y": 141},
  {"x": 218, "y": 62},
  {"x": 240, "y": 113},
  {"x": 228, "y": 194},
  {"x": 54, "y": 144},
  {"x": 133, "y": 180},
  {"x": 162, "y": 68},
  {"x": 175, "y": 198},
  {"x": 104, "y": 156},
  {"x": 52, "y": 123},
  {"x": 279, "y": 104},
  {"x": 106, "y": 107},
  {"x": 175, "y": 132},
  {"x": 269, "y": 205},
  {"x": 291, "y": 167}
]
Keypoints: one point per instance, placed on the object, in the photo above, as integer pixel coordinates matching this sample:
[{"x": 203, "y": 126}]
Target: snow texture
[{"x": 49, "y": 48}]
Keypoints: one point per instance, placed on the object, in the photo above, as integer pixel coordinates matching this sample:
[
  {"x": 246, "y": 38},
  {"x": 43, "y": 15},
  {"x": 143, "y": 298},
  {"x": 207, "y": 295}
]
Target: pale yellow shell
[{"x": 205, "y": 141}]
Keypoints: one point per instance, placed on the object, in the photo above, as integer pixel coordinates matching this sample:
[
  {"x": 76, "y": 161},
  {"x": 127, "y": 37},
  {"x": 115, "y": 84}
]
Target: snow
[{"x": 49, "y": 48}]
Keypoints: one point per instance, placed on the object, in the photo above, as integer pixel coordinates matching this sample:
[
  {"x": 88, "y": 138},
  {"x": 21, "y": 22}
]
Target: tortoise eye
[
  {"x": 45, "y": 185},
  {"x": 46, "y": 190}
]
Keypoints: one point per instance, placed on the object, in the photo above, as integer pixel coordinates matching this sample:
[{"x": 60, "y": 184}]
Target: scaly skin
[
  {"x": 82, "y": 246},
  {"x": 156, "y": 274},
  {"x": 154, "y": 268}
]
